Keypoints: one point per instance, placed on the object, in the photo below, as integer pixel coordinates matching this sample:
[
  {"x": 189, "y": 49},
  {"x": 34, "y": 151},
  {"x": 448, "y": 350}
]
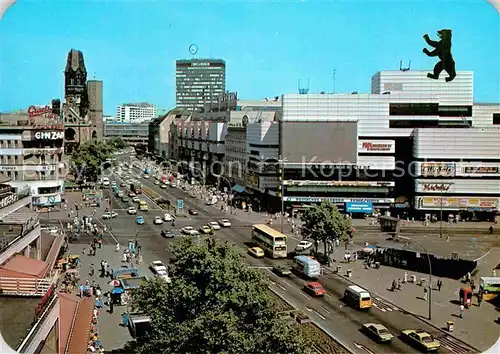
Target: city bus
[
  {"x": 271, "y": 241},
  {"x": 143, "y": 205},
  {"x": 490, "y": 287},
  {"x": 357, "y": 297}
]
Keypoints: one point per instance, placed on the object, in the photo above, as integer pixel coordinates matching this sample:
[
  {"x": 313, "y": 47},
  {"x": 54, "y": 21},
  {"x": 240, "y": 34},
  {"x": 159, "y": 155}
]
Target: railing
[{"x": 24, "y": 286}]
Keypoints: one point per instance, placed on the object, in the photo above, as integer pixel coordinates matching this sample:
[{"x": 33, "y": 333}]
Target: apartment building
[{"x": 135, "y": 112}]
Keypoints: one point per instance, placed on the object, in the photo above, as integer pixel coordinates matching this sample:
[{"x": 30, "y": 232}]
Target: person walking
[
  {"x": 461, "y": 311},
  {"x": 439, "y": 284},
  {"x": 425, "y": 294},
  {"x": 479, "y": 298},
  {"x": 108, "y": 269},
  {"x": 92, "y": 270}
]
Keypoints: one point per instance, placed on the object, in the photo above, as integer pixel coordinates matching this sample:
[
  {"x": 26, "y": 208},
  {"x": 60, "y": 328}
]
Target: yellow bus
[
  {"x": 143, "y": 205},
  {"x": 271, "y": 241},
  {"x": 357, "y": 297}
]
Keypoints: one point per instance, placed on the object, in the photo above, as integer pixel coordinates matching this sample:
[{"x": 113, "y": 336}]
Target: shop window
[{"x": 496, "y": 118}]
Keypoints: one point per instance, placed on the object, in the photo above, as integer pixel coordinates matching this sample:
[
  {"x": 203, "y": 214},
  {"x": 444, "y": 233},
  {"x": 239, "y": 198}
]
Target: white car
[
  {"x": 173, "y": 184},
  {"x": 163, "y": 186},
  {"x": 110, "y": 215},
  {"x": 157, "y": 183},
  {"x": 136, "y": 199},
  {"x": 132, "y": 211},
  {"x": 189, "y": 230},
  {"x": 157, "y": 266},
  {"x": 167, "y": 217},
  {"x": 225, "y": 223},
  {"x": 162, "y": 274},
  {"x": 214, "y": 225},
  {"x": 303, "y": 245},
  {"x": 158, "y": 220},
  {"x": 146, "y": 176}
]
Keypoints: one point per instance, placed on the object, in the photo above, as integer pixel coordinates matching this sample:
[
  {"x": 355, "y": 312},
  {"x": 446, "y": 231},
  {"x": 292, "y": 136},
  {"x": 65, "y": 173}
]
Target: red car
[{"x": 314, "y": 288}]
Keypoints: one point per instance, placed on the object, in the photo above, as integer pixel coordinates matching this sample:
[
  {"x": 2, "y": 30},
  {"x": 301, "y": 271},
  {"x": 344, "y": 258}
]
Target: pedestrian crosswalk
[
  {"x": 453, "y": 345},
  {"x": 383, "y": 306}
]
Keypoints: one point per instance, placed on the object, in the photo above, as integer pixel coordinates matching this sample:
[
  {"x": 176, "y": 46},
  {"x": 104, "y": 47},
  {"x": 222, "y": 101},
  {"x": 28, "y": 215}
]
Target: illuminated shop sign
[
  {"x": 340, "y": 183},
  {"x": 48, "y": 135},
  {"x": 480, "y": 170},
  {"x": 338, "y": 200},
  {"x": 457, "y": 202},
  {"x": 375, "y": 146},
  {"x": 437, "y": 169},
  {"x": 433, "y": 187}
]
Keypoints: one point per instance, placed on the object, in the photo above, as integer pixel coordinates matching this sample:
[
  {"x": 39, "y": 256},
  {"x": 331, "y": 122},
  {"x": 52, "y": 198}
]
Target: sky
[{"x": 267, "y": 45}]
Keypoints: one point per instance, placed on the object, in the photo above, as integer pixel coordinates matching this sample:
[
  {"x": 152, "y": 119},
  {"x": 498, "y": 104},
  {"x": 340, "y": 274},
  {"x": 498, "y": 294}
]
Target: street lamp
[
  {"x": 281, "y": 162},
  {"x": 430, "y": 270}
]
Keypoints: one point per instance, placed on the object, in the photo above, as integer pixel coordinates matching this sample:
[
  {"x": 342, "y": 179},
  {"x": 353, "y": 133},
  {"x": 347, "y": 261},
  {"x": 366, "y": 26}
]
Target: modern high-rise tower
[{"x": 198, "y": 82}]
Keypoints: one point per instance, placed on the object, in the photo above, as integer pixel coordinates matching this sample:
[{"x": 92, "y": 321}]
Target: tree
[
  {"x": 117, "y": 143},
  {"x": 215, "y": 304},
  {"x": 324, "y": 223},
  {"x": 88, "y": 159}
]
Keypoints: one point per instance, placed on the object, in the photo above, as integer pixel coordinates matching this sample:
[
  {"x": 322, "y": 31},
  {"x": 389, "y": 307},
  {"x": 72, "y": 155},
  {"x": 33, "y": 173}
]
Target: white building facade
[{"x": 135, "y": 112}]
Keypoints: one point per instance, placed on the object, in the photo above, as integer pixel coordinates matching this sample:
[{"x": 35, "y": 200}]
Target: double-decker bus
[{"x": 271, "y": 241}]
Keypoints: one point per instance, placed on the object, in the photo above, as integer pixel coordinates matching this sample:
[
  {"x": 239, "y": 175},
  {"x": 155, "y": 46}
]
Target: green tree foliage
[
  {"x": 324, "y": 223},
  {"x": 117, "y": 143},
  {"x": 215, "y": 304},
  {"x": 88, "y": 159}
]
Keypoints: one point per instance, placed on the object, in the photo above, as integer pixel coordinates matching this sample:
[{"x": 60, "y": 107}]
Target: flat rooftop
[{"x": 20, "y": 312}]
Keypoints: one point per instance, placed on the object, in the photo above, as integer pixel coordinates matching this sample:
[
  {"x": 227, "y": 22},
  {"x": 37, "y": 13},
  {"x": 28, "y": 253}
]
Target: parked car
[
  {"x": 314, "y": 288},
  {"x": 214, "y": 225},
  {"x": 225, "y": 223},
  {"x": 378, "y": 332},
  {"x": 205, "y": 229},
  {"x": 158, "y": 220},
  {"x": 257, "y": 252},
  {"x": 157, "y": 183},
  {"x": 303, "y": 245},
  {"x": 157, "y": 266},
  {"x": 163, "y": 186},
  {"x": 125, "y": 199},
  {"x": 282, "y": 271},
  {"x": 189, "y": 230},
  {"x": 131, "y": 211},
  {"x": 192, "y": 212},
  {"x": 109, "y": 215},
  {"x": 139, "y": 220},
  {"x": 164, "y": 275},
  {"x": 136, "y": 199},
  {"x": 131, "y": 194},
  {"x": 167, "y": 217},
  {"x": 421, "y": 339}
]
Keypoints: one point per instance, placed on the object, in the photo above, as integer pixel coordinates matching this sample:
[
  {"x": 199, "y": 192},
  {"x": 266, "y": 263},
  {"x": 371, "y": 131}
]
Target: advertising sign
[
  {"x": 338, "y": 200},
  {"x": 29, "y": 225},
  {"x": 437, "y": 169},
  {"x": 434, "y": 202},
  {"x": 355, "y": 207},
  {"x": 48, "y": 135},
  {"x": 14, "y": 197},
  {"x": 480, "y": 170},
  {"x": 341, "y": 183},
  {"x": 376, "y": 146},
  {"x": 433, "y": 187},
  {"x": 180, "y": 203},
  {"x": 46, "y": 111}
]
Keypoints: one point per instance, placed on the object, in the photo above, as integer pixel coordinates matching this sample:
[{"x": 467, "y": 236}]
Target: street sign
[{"x": 180, "y": 203}]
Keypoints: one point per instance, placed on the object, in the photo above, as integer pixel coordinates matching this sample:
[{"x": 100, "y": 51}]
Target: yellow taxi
[
  {"x": 421, "y": 339},
  {"x": 257, "y": 252}
]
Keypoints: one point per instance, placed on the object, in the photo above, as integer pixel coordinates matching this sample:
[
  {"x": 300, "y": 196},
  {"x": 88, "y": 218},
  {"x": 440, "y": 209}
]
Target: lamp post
[
  {"x": 430, "y": 270},
  {"x": 281, "y": 162}
]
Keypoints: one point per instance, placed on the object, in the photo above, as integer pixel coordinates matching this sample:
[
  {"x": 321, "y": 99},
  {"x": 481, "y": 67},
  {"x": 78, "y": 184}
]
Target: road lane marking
[
  {"x": 287, "y": 283},
  {"x": 328, "y": 295},
  {"x": 361, "y": 346},
  {"x": 326, "y": 310},
  {"x": 281, "y": 286},
  {"x": 304, "y": 295},
  {"x": 320, "y": 315}
]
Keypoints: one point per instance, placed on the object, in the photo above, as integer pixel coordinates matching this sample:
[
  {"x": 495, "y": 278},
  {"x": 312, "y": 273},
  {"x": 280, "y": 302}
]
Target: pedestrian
[
  {"x": 103, "y": 269},
  {"x": 462, "y": 311},
  {"x": 479, "y": 298},
  {"x": 494, "y": 272},
  {"x": 394, "y": 285},
  {"x": 405, "y": 278},
  {"x": 117, "y": 248},
  {"x": 92, "y": 270},
  {"x": 108, "y": 270},
  {"x": 472, "y": 286},
  {"x": 399, "y": 284},
  {"x": 425, "y": 294},
  {"x": 439, "y": 284},
  {"x": 124, "y": 319}
]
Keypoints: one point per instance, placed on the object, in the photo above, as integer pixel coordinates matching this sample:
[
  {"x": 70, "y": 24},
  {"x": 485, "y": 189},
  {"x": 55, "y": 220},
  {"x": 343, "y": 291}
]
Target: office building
[
  {"x": 159, "y": 142},
  {"x": 135, "y": 112},
  {"x": 31, "y": 152},
  {"x": 131, "y": 133},
  {"x": 199, "y": 82}
]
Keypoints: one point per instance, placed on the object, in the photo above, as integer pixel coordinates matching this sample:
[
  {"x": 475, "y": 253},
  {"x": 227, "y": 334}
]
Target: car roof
[{"x": 314, "y": 284}]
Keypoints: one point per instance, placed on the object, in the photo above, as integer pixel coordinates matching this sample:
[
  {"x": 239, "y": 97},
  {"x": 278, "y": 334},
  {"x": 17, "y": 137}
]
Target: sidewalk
[{"x": 476, "y": 328}]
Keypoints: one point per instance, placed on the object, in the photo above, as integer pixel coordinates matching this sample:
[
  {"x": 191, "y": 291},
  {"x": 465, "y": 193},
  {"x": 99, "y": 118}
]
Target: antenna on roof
[
  {"x": 401, "y": 66},
  {"x": 304, "y": 91},
  {"x": 334, "y": 72}
]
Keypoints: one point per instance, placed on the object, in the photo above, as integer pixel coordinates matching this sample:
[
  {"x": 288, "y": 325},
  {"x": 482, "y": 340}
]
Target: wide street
[{"x": 342, "y": 321}]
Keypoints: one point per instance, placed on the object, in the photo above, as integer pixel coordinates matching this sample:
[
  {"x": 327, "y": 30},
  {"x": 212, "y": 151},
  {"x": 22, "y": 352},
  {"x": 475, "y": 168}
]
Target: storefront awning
[{"x": 238, "y": 188}]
